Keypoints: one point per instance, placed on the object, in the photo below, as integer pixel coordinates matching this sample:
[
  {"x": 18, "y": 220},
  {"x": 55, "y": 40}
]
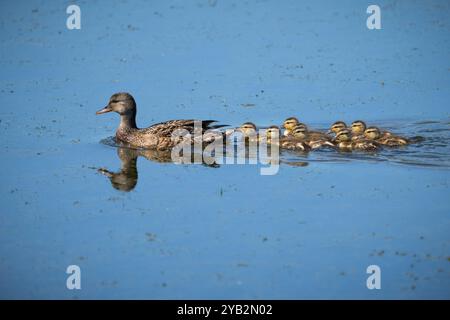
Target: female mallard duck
[
  {"x": 289, "y": 125},
  {"x": 337, "y": 126},
  {"x": 344, "y": 142},
  {"x": 313, "y": 139},
  {"x": 386, "y": 139},
  {"x": 157, "y": 136}
]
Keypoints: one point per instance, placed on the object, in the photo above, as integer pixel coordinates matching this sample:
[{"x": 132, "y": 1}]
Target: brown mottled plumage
[
  {"x": 344, "y": 142},
  {"x": 290, "y": 143},
  {"x": 314, "y": 139},
  {"x": 157, "y": 136},
  {"x": 385, "y": 138}
]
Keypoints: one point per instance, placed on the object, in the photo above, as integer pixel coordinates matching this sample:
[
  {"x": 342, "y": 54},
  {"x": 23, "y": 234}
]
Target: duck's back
[
  {"x": 165, "y": 129},
  {"x": 159, "y": 136}
]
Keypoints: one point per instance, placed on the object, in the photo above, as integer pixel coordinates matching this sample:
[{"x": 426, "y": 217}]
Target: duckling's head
[
  {"x": 123, "y": 103},
  {"x": 337, "y": 126},
  {"x": 290, "y": 123},
  {"x": 358, "y": 127},
  {"x": 248, "y": 128},
  {"x": 372, "y": 133},
  {"x": 272, "y": 132},
  {"x": 300, "y": 125},
  {"x": 343, "y": 135},
  {"x": 300, "y": 131}
]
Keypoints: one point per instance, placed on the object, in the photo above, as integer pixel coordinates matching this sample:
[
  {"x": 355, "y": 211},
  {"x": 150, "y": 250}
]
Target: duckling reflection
[{"x": 127, "y": 177}]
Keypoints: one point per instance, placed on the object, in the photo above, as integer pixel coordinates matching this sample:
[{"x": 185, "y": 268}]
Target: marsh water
[{"x": 140, "y": 226}]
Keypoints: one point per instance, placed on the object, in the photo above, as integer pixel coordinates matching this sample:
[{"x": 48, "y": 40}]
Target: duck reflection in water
[{"x": 127, "y": 177}]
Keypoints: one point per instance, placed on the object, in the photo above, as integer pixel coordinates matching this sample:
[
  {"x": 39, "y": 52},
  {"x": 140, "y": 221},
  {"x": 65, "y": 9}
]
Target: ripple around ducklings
[{"x": 430, "y": 147}]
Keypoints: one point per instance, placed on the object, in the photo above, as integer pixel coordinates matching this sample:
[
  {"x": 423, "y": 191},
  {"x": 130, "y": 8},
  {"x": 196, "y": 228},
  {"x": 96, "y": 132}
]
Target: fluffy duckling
[
  {"x": 292, "y": 142},
  {"x": 358, "y": 127},
  {"x": 289, "y": 125},
  {"x": 248, "y": 129},
  {"x": 272, "y": 135},
  {"x": 337, "y": 126},
  {"x": 344, "y": 142},
  {"x": 314, "y": 139},
  {"x": 312, "y": 133},
  {"x": 386, "y": 139}
]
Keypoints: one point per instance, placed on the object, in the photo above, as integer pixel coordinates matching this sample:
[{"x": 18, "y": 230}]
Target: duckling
[
  {"x": 312, "y": 133},
  {"x": 293, "y": 142},
  {"x": 390, "y": 140},
  {"x": 272, "y": 135},
  {"x": 337, "y": 126},
  {"x": 289, "y": 125},
  {"x": 358, "y": 127},
  {"x": 248, "y": 130},
  {"x": 157, "y": 136},
  {"x": 314, "y": 140},
  {"x": 344, "y": 142}
]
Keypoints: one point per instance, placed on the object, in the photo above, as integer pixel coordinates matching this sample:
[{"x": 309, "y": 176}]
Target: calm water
[{"x": 143, "y": 227}]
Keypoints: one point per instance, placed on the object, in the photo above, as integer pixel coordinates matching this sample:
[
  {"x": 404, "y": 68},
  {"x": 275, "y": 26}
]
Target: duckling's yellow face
[
  {"x": 299, "y": 132},
  {"x": 290, "y": 123},
  {"x": 343, "y": 135},
  {"x": 248, "y": 128},
  {"x": 358, "y": 127},
  {"x": 338, "y": 126},
  {"x": 272, "y": 133},
  {"x": 372, "y": 133}
]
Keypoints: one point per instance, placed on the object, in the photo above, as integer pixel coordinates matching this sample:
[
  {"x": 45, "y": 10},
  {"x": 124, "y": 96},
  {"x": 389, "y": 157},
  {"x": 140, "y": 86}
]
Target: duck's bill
[{"x": 104, "y": 110}]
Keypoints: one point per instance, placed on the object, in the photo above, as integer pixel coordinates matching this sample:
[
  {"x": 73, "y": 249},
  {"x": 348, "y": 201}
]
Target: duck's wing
[{"x": 165, "y": 129}]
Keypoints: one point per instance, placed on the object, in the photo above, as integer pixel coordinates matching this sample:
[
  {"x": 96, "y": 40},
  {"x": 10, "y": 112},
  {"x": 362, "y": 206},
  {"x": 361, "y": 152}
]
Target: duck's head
[
  {"x": 300, "y": 125},
  {"x": 248, "y": 128},
  {"x": 358, "y": 127},
  {"x": 272, "y": 132},
  {"x": 342, "y": 135},
  {"x": 123, "y": 103},
  {"x": 372, "y": 133},
  {"x": 300, "y": 131},
  {"x": 290, "y": 123},
  {"x": 337, "y": 126}
]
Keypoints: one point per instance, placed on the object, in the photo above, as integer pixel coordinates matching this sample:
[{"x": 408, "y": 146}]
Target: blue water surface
[{"x": 157, "y": 230}]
